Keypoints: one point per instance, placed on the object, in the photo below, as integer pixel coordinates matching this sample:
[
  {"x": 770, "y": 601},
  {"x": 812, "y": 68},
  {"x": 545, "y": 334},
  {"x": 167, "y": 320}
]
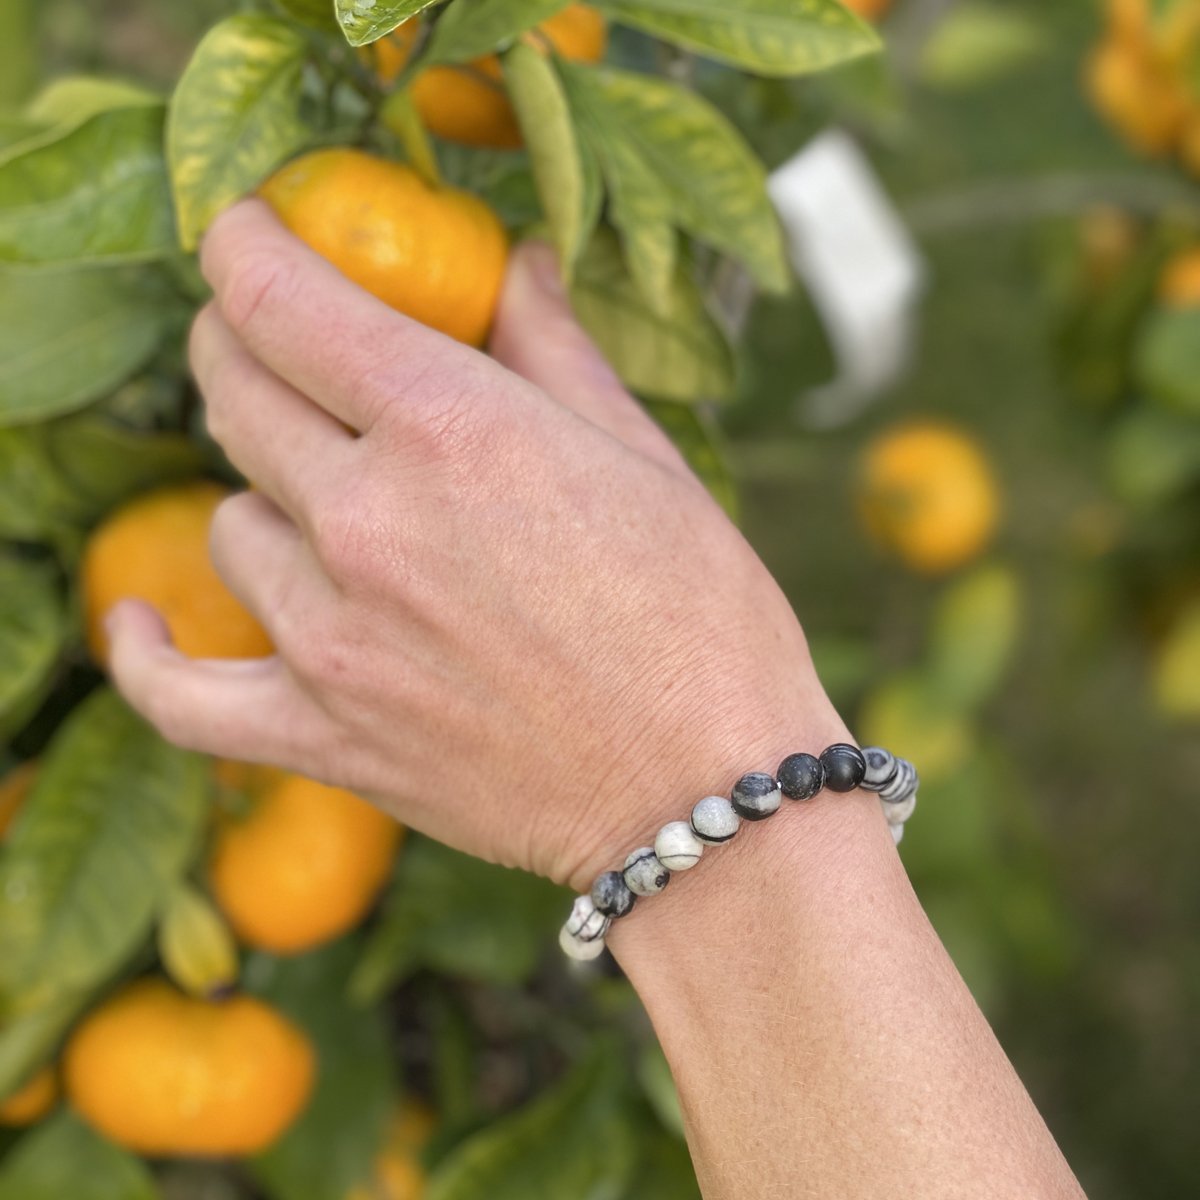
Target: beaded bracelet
[{"x": 715, "y": 820}]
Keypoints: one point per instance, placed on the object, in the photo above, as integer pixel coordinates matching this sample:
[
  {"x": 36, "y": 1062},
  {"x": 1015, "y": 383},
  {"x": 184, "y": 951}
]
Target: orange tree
[{"x": 193, "y": 962}]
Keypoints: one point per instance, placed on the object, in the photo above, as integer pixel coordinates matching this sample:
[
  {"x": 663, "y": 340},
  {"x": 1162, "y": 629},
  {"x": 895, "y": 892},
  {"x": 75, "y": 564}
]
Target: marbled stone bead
[
  {"x": 844, "y": 767},
  {"x": 644, "y": 874},
  {"x": 677, "y": 847},
  {"x": 756, "y": 796},
  {"x": 897, "y": 833},
  {"x": 582, "y": 936},
  {"x": 881, "y": 767},
  {"x": 611, "y": 895},
  {"x": 902, "y": 785},
  {"x": 899, "y": 811},
  {"x": 801, "y": 776},
  {"x": 714, "y": 820}
]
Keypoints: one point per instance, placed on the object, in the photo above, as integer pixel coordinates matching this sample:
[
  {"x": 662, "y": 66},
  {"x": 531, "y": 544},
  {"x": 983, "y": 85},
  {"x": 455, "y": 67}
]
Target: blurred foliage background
[{"x": 1055, "y": 852}]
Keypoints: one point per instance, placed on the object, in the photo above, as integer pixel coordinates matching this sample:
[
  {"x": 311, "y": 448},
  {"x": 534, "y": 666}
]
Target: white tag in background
[{"x": 860, "y": 264}]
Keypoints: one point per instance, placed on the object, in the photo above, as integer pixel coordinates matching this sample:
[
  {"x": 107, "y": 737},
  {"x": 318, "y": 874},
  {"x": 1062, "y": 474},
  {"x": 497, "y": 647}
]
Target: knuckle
[
  {"x": 457, "y": 418},
  {"x": 256, "y": 282}
]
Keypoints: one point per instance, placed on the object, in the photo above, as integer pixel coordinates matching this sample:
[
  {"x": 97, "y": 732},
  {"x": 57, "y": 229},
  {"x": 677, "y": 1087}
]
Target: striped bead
[
  {"x": 677, "y": 847},
  {"x": 714, "y": 820},
  {"x": 644, "y": 874}
]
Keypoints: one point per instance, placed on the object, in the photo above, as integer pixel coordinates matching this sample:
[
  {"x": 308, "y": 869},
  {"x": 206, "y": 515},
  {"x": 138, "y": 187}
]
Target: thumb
[{"x": 537, "y": 336}]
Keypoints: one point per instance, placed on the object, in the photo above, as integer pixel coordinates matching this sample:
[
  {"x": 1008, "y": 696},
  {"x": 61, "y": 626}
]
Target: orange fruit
[
  {"x": 32, "y": 1100},
  {"x": 156, "y": 549},
  {"x": 434, "y": 253},
  {"x": 871, "y": 9},
  {"x": 1141, "y": 99},
  {"x": 162, "y": 1073},
  {"x": 397, "y": 1173},
  {"x": 927, "y": 495},
  {"x": 302, "y": 864},
  {"x": 1179, "y": 283},
  {"x": 467, "y": 103},
  {"x": 14, "y": 787}
]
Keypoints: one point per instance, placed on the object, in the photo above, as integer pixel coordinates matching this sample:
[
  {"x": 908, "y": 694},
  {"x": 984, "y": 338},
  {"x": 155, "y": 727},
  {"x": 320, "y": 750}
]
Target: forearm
[{"x": 821, "y": 1039}]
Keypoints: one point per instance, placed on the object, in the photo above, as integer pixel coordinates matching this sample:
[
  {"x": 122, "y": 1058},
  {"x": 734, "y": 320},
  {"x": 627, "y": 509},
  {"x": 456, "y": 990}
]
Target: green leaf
[
  {"x": 558, "y": 169},
  {"x": 319, "y": 14},
  {"x": 112, "y": 822},
  {"x": 33, "y": 624},
  {"x": 63, "y": 1157},
  {"x": 235, "y": 116},
  {"x": 460, "y": 916},
  {"x": 16, "y": 130},
  {"x": 975, "y": 629},
  {"x": 770, "y": 37},
  {"x": 654, "y": 1074},
  {"x": 332, "y": 1145},
  {"x": 467, "y": 31},
  {"x": 76, "y": 98},
  {"x": 664, "y": 1171},
  {"x": 976, "y": 43},
  {"x": 576, "y": 1140},
  {"x": 698, "y": 439},
  {"x": 1167, "y": 359},
  {"x": 1153, "y": 455},
  {"x": 30, "y": 1041},
  {"x": 31, "y": 499},
  {"x": 95, "y": 194},
  {"x": 679, "y": 354},
  {"x": 710, "y": 181},
  {"x": 366, "y": 21},
  {"x": 69, "y": 337},
  {"x": 18, "y": 49}
]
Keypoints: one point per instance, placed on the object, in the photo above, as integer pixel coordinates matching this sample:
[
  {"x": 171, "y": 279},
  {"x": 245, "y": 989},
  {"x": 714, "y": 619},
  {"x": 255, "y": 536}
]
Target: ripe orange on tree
[
  {"x": 155, "y": 548},
  {"x": 301, "y": 864},
  {"x": 397, "y": 1172},
  {"x": 162, "y": 1073},
  {"x": 434, "y": 253},
  {"x": 32, "y": 1100},
  {"x": 927, "y": 494},
  {"x": 468, "y": 103}
]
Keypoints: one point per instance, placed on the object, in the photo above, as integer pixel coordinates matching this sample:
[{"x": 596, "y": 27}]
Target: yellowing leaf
[
  {"x": 235, "y": 116},
  {"x": 771, "y": 37}
]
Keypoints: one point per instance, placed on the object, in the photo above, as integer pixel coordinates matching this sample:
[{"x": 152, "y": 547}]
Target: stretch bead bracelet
[{"x": 716, "y": 819}]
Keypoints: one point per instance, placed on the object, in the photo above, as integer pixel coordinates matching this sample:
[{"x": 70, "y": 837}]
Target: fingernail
[{"x": 543, "y": 265}]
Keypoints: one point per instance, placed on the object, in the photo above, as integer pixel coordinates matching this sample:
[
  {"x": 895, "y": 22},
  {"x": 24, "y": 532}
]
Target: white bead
[
  {"x": 897, "y": 833},
  {"x": 677, "y": 847},
  {"x": 579, "y": 950},
  {"x": 899, "y": 812},
  {"x": 644, "y": 874},
  {"x": 586, "y": 922},
  {"x": 714, "y": 821},
  {"x": 902, "y": 785}
]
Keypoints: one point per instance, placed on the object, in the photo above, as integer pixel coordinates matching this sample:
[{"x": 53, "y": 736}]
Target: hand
[{"x": 503, "y": 606}]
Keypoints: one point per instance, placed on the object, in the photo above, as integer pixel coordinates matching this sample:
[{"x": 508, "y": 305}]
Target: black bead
[
  {"x": 801, "y": 776},
  {"x": 611, "y": 894},
  {"x": 844, "y": 767}
]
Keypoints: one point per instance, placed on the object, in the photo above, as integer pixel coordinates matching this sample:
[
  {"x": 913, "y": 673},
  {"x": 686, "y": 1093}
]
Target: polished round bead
[
  {"x": 902, "y": 785},
  {"x": 899, "y": 812},
  {"x": 801, "y": 776},
  {"x": 881, "y": 767},
  {"x": 844, "y": 767},
  {"x": 611, "y": 895},
  {"x": 897, "y": 833},
  {"x": 756, "y": 796},
  {"x": 576, "y": 948},
  {"x": 644, "y": 874},
  {"x": 677, "y": 847},
  {"x": 714, "y": 821}
]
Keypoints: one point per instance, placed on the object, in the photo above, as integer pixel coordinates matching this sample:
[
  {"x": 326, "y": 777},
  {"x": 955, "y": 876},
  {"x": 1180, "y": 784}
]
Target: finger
[
  {"x": 281, "y": 441},
  {"x": 537, "y": 336},
  {"x": 326, "y": 336},
  {"x": 247, "y": 709},
  {"x": 260, "y": 556}
]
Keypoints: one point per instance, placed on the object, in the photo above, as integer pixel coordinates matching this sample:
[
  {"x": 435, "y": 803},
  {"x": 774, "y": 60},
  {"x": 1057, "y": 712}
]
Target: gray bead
[
  {"x": 644, "y": 874},
  {"x": 902, "y": 785},
  {"x": 756, "y": 796},
  {"x": 677, "y": 847},
  {"x": 714, "y": 820},
  {"x": 586, "y": 922},
  {"x": 881, "y": 766},
  {"x": 611, "y": 895},
  {"x": 898, "y": 811}
]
